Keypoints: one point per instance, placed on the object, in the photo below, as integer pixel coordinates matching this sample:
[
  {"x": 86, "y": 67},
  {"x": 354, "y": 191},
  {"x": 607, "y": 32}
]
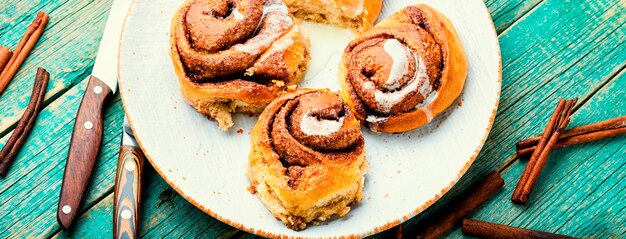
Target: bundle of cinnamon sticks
[
  {"x": 10, "y": 61},
  {"x": 578, "y": 135},
  {"x": 555, "y": 136},
  {"x": 555, "y": 127}
]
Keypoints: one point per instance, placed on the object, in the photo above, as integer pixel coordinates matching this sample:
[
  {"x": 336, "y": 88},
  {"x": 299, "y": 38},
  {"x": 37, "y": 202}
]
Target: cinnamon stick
[
  {"x": 26, "y": 123},
  {"x": 23, "y": 48},
  {"x": 579, "y": 135},
  {"x": 451, "y": 216},
  {"x": 497, "y": 231},
  {"x": 540, "y": 157},
  {"x": 541, "y": 144},
  {"x": 545, "y": 154},
  {"x": 5, "y": 56}
]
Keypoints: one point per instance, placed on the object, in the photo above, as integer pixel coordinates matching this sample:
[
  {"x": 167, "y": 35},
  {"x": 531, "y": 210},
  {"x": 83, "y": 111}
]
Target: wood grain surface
[
  {"x": 550, "y": 49},
  {"x": 127, "y": 195}
]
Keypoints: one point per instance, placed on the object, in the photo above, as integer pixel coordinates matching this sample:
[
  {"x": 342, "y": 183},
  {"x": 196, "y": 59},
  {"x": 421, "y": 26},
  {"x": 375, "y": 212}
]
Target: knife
[
  {"x": 87, "y": 134},
  {"x": 127, "y": 187}
]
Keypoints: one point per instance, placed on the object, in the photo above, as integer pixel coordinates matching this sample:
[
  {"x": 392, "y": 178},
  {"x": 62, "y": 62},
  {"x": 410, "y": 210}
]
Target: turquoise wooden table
[{"x": 550, "y": 49}]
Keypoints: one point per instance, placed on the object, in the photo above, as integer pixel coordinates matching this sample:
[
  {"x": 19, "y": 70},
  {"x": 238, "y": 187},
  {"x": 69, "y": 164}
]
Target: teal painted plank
[
  {"x": 529, "y": 88},
  {"x": 578, "y": 57},
  {"x": 589, "y": 55},
  {"x": 506, "y": 13},
  {"x": 66, "y": 49},
  {"x": 560, "y": 55},
  {"x": 164, "y": 204},
  {"x": 582, "y": 188},
  {"x": 90, "y": 225},
  {"x": 165, "y": 214},
  {"x": 29, "y": 194}
]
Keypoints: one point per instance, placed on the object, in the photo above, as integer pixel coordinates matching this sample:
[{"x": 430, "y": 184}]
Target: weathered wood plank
[
  {"x": 161, "y": 206},
  {"x": 91, "y": 222},
  {"x": 589, "y": 52},
  {"x": 560, "y": 54},
  {"x": 29, "y": 194},
  {"x": 505, "y": 13},
  {"x": 584, "y": 51},
  {"x": 582, "y": 189},
  {"x": 66, "y": 49},
  {"x": 554, "y": 69}
]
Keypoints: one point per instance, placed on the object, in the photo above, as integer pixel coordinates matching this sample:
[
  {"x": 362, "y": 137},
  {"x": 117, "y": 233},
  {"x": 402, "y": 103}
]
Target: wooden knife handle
[
  {"x": 83, "y": 151},
  {"x": 127, "y": 193}
]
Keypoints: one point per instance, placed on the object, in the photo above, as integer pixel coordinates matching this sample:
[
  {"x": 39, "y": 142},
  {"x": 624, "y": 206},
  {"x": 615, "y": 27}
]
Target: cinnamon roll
[
  {"x": 405, "y": 71},
  {"x": 358, "y": 15},
  {"x": 307, "y": 161},
  {"x": 236, "y": 55}
]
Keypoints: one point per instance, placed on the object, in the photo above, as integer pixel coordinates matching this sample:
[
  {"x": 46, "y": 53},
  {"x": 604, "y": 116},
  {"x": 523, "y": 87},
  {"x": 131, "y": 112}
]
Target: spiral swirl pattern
[
  {"x": 307, "y": 147},
  {"x": 398, "y": 70},
  {"x": 309, "y": 128},
  {"x": 229, "y": 39},
  {"x": 236, "y": 55}
]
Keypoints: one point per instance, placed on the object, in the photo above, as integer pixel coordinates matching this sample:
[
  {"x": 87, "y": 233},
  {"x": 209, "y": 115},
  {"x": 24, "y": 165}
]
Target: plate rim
[{"x": 369, "y": 232}]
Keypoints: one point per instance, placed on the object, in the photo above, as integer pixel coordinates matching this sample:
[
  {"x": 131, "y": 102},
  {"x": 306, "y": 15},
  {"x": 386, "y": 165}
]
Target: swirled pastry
[
  {"x": 358, "y": 15},
  {"x": 307, "y": 161},
  {"x": 405, "y": 71},
  {"x": 236, "y": 55}
]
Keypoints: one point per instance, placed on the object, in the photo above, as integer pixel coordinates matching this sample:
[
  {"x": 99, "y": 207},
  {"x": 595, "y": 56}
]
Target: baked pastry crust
[
  {"x": 395, "y": 98},
  {"x": 230, "y": 56},
  {"x": 358, "y": 15},
  {"x": 307, "y": 161}
]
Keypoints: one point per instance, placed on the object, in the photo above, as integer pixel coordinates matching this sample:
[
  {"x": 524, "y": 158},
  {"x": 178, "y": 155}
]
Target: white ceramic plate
[{"x": 408, "y": 172}]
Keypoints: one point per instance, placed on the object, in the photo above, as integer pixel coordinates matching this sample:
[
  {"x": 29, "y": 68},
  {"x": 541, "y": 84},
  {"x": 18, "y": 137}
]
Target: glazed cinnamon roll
[
  {"x": 236, "y": 55},
  {"x": 358, "y": 15},
  {"x": 307, "y": 161},
  {"x": 405, "y": 71}
]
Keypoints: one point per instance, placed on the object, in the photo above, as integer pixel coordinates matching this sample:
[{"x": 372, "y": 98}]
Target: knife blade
[
  {"x": 127, "y": 199},
  {"x": 87, "y": 133}
]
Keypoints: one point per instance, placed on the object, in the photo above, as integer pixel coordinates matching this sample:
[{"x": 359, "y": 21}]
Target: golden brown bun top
[
  {"x": 290, "y": 123},
  {"x": 422, "y": 42},
  {"x": 353, "y": 8},
  {"x": 359, "y": 15},
  {"x": 311, "y": 162},
  {"x": 308, "y": 155},
  {"x": 221, "y": 57}
]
